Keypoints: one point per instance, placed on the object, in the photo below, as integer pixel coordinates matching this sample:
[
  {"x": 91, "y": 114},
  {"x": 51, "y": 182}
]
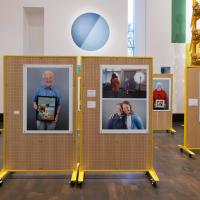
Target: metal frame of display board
[
  {"x": 17, "y": 60},
  {"x": 96, "y": 61},
  {"x": 162, "y": 120},
  {"x": 191, "y": 123}
]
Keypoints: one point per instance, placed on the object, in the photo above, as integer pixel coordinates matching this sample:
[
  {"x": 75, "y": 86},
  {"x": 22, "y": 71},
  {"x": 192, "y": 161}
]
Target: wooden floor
[{"x": 179, "y": 179}]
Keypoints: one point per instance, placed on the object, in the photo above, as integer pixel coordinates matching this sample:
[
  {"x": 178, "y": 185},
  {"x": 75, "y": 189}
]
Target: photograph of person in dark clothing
[
  {"x": 124, "y": 82},
  {"x": 120, "y": 116},
  {"x": 124, "y": 99},
  {"x": 115, "y": 84},
  {"x": 126, "y": 85},
  {"x": 125, "y": 118}
]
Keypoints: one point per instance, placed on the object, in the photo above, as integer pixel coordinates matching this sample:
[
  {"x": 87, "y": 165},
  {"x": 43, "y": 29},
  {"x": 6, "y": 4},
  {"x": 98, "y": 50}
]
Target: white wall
[
  {"x": 158, "y": 33},
  {"x": 58, "y": 26},
  {"x": 58, "y": 18},
  {"x": 153, "y": 32},
  {"x": 33, "y": 31},
  {"x": 153, "y": 38},
  {"x": 10, "y": 34},
  {"x": 158, "y": 45},
  {"x": 140, "y": 19}
]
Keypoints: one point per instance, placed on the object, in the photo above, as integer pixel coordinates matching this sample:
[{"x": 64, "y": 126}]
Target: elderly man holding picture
[
  {"x": 160, "y": 97},
  {"x": 47, "y": 90}
]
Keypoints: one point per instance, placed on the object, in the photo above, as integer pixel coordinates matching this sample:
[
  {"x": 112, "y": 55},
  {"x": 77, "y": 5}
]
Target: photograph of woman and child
[
  {"x": 125, "y": 118},
  {"x": 124, "y": 101}
]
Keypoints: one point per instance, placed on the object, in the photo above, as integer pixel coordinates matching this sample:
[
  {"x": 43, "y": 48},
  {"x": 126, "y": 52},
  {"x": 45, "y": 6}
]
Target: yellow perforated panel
[
  {"x": 162, "y": 120},
  {"x": 193, "y": 112},
  {"x": 111, "y": 151},
  {"x": 34, "y": 151}
]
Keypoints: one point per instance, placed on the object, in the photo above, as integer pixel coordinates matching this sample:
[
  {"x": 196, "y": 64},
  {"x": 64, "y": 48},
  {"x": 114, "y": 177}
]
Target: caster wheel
[
  {"x": 72, "y": 183},
  {"x": 153, "y": 183},
  {"x": 1, "y": 183},
  {"x": 190, "y": 155},
  {"x": 147, "y": 173},
  {"x": 181, "y": 150}
]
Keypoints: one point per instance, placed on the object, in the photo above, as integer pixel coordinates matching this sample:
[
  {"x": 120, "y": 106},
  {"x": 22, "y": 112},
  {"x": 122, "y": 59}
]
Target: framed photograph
[
  {"x": 47, "y": 99},
  {"x": 124, "y": 99},
  {"x": 46, "y": 108},
  {"x": 124, "y": 82},
  {"x": 160, "y": 103},
  {"x": 165, "y": 70},
  {"x": 162, "y": 94}
]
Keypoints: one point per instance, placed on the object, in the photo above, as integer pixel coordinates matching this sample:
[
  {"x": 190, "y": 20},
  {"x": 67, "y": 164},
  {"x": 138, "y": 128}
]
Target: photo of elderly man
[
  {"x": 161, "y": 94},
  {"x": 47, "y": 89},
  {"x": 48, "y": 98}
]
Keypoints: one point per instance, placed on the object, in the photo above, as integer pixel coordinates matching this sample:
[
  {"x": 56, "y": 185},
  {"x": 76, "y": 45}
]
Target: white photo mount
[
  {"x": 160, "y": 103},
  {"x": 118, "y": 68},
  {"x": 169, "y": 95},
  {"x": 43, "y": 66}
]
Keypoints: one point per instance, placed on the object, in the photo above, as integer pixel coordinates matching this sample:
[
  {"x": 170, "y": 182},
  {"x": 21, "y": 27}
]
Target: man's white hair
[
  {"x": 48, "y": 72},
  {"x": 159, "y": 84}
]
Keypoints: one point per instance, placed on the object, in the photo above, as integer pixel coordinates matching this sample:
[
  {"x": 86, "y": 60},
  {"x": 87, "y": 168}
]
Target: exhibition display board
[
  {"x": 163, "y": 102},
  {"x": 47, "y": 103},
  {"x": 113, "y": 89},
  {"x": 192, "y": 88},
  {"x": 192, "y": 110},
  {"x": 39, "y": 122}
]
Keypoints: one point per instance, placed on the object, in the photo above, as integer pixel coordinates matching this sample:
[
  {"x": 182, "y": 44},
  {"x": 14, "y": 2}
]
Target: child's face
[
  {"x": 119, "y": 110},
  {"x": 126, "y": 109}
]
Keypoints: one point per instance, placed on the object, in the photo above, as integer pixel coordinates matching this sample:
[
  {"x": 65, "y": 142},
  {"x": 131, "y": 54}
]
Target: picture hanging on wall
[
  {"x": 165, "y": 70},
  {"x": 162, "y": 94},
  {"x": 124, "y": 99},
  {"x": 47, "y": 98}
]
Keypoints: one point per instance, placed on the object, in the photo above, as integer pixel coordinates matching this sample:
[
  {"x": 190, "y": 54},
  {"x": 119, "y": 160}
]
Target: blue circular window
[{"x": 90, "y": 31}]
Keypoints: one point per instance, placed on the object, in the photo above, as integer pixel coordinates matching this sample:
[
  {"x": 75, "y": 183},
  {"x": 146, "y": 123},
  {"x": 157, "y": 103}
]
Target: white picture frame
[
  {"x": 43, "y": 67},
  {"x": 166, "y": 84},
  {"x": 160, "y": 103},
  {"x": 138, "y": 101}
]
